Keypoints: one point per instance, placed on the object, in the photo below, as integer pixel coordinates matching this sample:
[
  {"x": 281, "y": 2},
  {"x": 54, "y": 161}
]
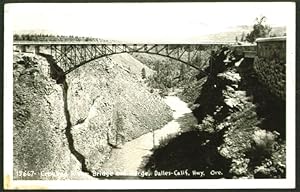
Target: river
[{"x": 127, "y": 160}]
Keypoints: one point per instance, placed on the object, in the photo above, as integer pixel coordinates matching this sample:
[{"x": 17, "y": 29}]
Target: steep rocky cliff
[
  {"x": 66, "y": 128},
  {"x": 245, "y": 117},
  {"x": 240, "y": 131}
]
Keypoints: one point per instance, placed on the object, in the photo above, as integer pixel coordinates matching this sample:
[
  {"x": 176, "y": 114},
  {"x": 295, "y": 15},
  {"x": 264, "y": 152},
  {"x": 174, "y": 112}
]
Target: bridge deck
[
  {"x": 69, "y": 55},
  {"x": 112, "y": 43}
]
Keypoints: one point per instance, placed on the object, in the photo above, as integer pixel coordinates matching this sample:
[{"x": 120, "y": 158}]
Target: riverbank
[{"x": 127, "y": 160}]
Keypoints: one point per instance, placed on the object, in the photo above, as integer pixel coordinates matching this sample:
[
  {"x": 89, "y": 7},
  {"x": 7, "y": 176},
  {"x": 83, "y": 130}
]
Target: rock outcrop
[
  {"x": 100, "y": 105},
  {"x": 110, "y": 105},
  {"x": 236, "y": 108},
  {"x": 40, "y": 143}
]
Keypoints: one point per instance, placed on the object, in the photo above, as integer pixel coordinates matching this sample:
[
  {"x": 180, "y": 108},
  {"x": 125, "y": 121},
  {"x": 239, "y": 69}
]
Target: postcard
[{"x": 149, "y": 95}]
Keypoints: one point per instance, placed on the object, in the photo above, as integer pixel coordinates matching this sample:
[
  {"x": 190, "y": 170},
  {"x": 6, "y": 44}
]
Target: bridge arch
[
  {"x": 107, "y": 55},
  {"x": 72, "y": 55}
]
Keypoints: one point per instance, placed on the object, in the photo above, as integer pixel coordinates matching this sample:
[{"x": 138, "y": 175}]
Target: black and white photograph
[{"x": 149, "y": 95}]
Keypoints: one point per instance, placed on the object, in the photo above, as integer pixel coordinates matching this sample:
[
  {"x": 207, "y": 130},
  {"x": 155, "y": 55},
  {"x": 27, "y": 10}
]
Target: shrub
[
  {"x": 208, "y": 124},
  {"x": 239, "y": 167},
  {"x": 262, "y": 148},
  {"x": 263, "y": 142}
]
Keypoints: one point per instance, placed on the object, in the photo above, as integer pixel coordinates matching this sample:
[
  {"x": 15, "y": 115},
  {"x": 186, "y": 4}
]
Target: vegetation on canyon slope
[
  {"x": 237, "y": 131},
  {"x": 170, "y": 75}
]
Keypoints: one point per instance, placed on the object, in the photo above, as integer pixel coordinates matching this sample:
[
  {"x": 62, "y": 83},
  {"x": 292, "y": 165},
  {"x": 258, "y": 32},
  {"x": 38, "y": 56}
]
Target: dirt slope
[{"x": 107, "y": 103}]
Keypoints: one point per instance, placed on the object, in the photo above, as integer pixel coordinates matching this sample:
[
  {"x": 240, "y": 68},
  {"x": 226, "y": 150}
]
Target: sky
[{"x": 149, "y": 22}]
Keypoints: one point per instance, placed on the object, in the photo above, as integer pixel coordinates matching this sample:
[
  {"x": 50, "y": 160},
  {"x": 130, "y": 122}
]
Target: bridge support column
[
  {"x": 23, "y": 48},
  {"x": 36, "y": 49}
]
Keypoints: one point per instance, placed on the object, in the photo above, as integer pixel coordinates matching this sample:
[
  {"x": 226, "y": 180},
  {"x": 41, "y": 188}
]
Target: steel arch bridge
[{"x": 71, "y": 55}]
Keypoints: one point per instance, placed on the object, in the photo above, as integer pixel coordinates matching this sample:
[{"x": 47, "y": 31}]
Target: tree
[
  {"x": 243, "y": 37},
  {"x": 260, "y": 29},
  {"x": 143, "y": 73},
  {"x": 182, "y": 72},
  {"x": 153, "y": 137},
  {"x": 120, "y": 135},
  {"x": 16, "y": 37}
]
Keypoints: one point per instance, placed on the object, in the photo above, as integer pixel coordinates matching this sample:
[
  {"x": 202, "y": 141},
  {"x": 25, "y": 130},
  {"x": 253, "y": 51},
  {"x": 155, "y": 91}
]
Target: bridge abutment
[{"x": 270, "y": 64}]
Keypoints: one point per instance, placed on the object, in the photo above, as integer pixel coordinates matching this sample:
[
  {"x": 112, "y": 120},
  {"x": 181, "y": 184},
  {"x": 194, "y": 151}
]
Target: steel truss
[{"x": 70, "y": 56}]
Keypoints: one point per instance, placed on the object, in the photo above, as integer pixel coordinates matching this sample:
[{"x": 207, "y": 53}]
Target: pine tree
[
  {"x": 143, "y": 73},
  {"x": 260, "y": 29},
  {"x": 243, "y": 37}
]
